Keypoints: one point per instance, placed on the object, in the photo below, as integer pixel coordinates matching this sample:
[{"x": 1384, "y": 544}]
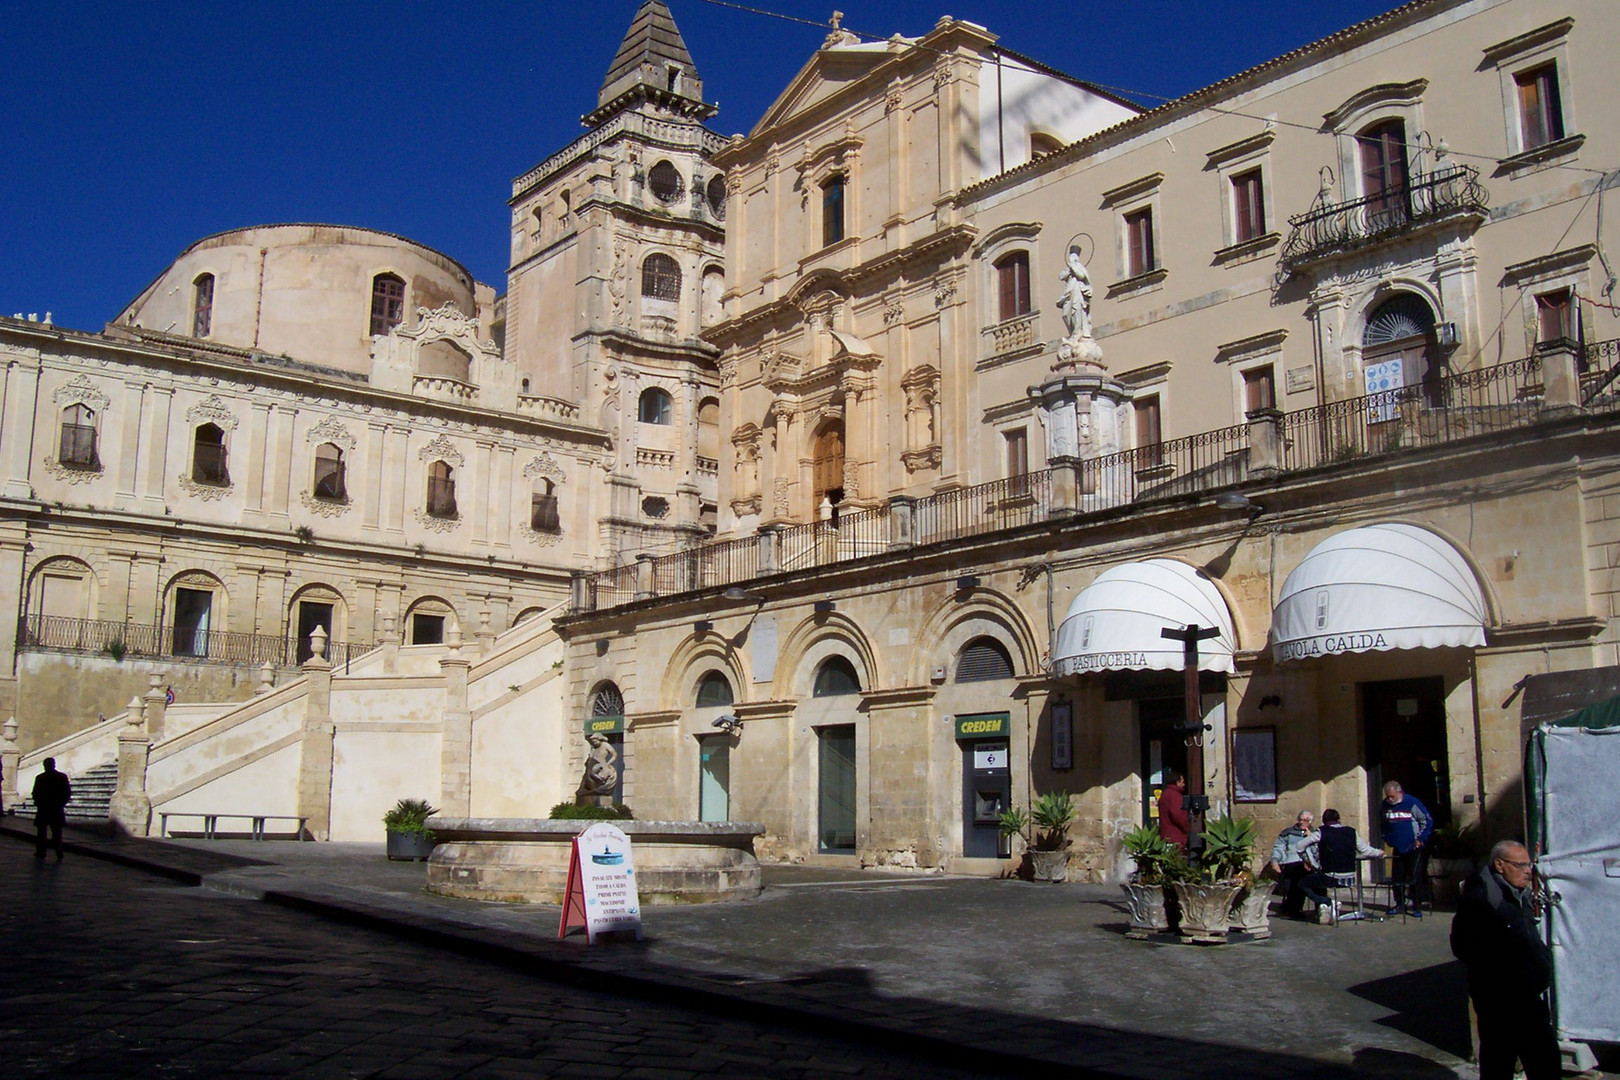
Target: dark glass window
[
  {"x": 441, "y": 494},
  {"x": 202, "y": 305},
  {"x": 661, "y": 277},
  {"x": 1149, "y": 435},
  {"x": 1383, "y": 168},
  {"x": 1012, "y": 284},
  {"x": 1541, "y": 113},
  {"x": 654, "y": 407},
  {"x": 714, "y": 689},
  {"x": 1260, "y": 388},
  {"x": 836, "y": 676},
  {"x": 832, "y": 211},
  {"x": 717, "y": 196},
  {"x": 984, "y": 659},
  {"x": 208, "y": 456},
  {"x": 1248, "y": 206},
  {"x": 330, "y": 482},
  {"x": 387, "y": 303},
  {"x": 1139, "y": 257},
  {"x": 664, "y": 180},
  {"x": 78, "y": 446},
  {"x": 543, "y": 515}
]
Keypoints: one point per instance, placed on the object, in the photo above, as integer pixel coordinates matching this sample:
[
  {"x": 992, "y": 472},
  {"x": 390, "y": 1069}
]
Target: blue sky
[{"x": 134, "y": 129}]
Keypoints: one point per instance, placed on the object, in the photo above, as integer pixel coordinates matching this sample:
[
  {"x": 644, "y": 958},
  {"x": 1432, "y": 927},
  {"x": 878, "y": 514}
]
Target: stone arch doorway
[{"x": 1399, "y": 347}]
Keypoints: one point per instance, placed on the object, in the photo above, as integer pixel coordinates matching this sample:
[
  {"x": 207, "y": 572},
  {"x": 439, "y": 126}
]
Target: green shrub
[
  {"x": 114, "y": 649},
  {"x": 567, "y": 811},
  {"x": 1050, "y": 816},
  {"x": 409, "y": 816},
  {"x": 1228, "y": 848},
  {"x": 1157, "y": 859}
]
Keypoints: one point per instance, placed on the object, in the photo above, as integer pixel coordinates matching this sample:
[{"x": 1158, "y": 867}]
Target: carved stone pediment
[
  {"x": 213, "y": 411},
  {"x": 81, "y": 391},
  {"x": 331, "y": 430},
  {"x": 441, "y": 449}
]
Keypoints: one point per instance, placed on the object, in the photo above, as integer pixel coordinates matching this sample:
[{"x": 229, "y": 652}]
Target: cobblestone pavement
[{"x": 110, "y": 972}]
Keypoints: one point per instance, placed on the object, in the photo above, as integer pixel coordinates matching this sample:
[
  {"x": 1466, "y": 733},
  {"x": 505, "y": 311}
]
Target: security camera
[{"x": 728, "y": 723}]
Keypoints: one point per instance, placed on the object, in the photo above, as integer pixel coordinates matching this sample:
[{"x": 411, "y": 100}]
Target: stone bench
[{"x": 210, "y": 824}]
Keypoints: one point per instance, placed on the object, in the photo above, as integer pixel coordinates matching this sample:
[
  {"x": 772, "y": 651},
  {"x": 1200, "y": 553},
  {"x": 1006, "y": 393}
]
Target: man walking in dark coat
[
  {"x": 52, "y": 792},
  {"x": 1509, "y": 967},
  {"x": 1407, "y": 827}
]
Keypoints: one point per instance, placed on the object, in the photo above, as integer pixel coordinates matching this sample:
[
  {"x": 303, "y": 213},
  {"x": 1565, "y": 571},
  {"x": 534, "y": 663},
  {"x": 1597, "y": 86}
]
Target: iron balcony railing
[
  {"x": 1443, "y": 410},
  {"x": 1328, "y": 228},
  {"x": 55, "y": 633}
]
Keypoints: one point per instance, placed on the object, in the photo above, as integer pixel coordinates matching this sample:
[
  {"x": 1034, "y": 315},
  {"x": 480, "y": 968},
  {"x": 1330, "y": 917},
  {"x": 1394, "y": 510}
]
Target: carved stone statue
[
  {"x": 1078, "y": 348},
  {"x": 600, "y": 772}
]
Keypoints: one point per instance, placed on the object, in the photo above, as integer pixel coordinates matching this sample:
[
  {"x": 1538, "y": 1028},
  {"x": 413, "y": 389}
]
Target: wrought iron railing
[
  {"x": 1332, "y": 227},
  {"x": 55, "y": 633},
  {"x": 1443, "y": 410}
]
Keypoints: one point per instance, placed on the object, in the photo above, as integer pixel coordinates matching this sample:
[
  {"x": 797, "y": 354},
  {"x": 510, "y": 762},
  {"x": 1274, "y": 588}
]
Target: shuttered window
[{"x": 982, "y": 661}]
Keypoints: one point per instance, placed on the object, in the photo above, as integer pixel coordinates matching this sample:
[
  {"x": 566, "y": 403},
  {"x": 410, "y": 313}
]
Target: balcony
[
  {"x": 53, "y": 633},
  {"x": 1507, "y": 397},
  {"x": 1329, "y": 229}
]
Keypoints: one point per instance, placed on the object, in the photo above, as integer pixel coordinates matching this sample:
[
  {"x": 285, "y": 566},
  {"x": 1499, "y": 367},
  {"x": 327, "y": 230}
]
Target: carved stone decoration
[
  {"x": 213, "y": 411},
  {"x": 331, "y": 430},
  {"x": 537, "y": 538},
  {"x": 436, "y": 524},
  {"x": 773, "y": 162},
  {"x": 547, "y": 466},
  {"x": 745, "y": 469},
  {"x": 733, "y": 184},
  {"x": 921, "y": 386},
  {"x": 618, "y": 282},
  {"x": 1078, "y": 349},
  {"x": 728, "y": 370},
  {"x": 780, "y": 503},
  {"x": 81, "y": 391},
  {"x": 205, "y": 492},
  {"x": 942, "y": 72},
  {"x": 917, "y": 460},
  {"x": 446, "y": 320},
  {"x": 893, "y": 310},
  {"x": 891, "y": 102},
  {"x": 326, "y": 508},
  {"x": 944, "y": 291},
  {"x": 441, "y": 449},
  {"x": 73, "y": 474}
]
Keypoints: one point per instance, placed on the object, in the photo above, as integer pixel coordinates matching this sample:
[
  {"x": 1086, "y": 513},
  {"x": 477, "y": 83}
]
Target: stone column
[
  {"x": 579, "y": 591},
  {"x": 1560, "y": 377},
  {"x": 1265, "y": 442},
  {"x": 390, "y": 645},
  {"x": 10, "y": 755},
  {"x": 131, "y": 809},
  {"x": 455, "y": 754},
  {"x": 315, "y": 747},
  {"x": 902, "y": 527},
  {"x": 770, "y": 549},
  {"x": 1065, "y": 484},
  {"x": 157, "y": 706},
  {"x": 485, "y": 633},
  {"x": 646, "y": 582}
]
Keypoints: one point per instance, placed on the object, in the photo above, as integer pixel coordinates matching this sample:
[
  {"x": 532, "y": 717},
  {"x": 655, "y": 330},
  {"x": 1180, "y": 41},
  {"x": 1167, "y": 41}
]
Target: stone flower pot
[
  {"x": 1151, "y": 910},
  {"x": 1050, "y": 866},
  {"x": 1251, "y": 909},
  {"x": 1206, "y": 910},
  {"x": 409, "y": 847}
]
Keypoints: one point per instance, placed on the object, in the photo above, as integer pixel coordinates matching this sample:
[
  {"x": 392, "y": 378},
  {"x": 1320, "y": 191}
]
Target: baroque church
[{"x": 848, "y": 476}]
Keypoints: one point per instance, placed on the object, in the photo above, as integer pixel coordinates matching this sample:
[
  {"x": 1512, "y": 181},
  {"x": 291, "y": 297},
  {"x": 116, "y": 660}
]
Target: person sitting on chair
[
  {"x": 1338, "y": 846},
  {"x": 1288, "y": 860}
]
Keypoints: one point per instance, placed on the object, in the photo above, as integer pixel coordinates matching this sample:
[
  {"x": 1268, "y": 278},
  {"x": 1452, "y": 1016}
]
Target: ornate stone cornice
[
  {"x": 331, "y": 430},
  {"x": 81, "y": 391},
  {"x": 441, "y": 449},
  {"x": 213, "y": 411}
]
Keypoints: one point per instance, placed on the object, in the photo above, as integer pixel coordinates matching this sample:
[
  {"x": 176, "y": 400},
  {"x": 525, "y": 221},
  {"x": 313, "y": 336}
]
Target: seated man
[
  {"x": 1335, "y": 854},
  {"x": 1288, "y": 860}
]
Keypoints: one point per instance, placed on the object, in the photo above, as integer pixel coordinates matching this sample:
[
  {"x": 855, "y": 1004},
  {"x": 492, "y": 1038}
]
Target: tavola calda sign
[{"x": 601, "y": 894}]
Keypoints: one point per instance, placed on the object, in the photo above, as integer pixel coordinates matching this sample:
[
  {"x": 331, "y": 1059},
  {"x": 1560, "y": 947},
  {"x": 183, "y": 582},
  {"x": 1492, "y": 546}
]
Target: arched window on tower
[
  {"x": 441, "y": 491},
  {"x": 202, "y": 305},
  {"x": 208, "y": 456},
  {"x": 387, "y": 303},
  {"x": 654, "y": 407},
  {"x": 78, "y": 446},
  {"x": 661, "y": 277},
  {"x": 330, "y": 480}
]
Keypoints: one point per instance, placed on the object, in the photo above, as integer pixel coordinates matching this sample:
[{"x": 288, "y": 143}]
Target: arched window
[
  {"x": 78, "y": 445},
  {"x": 1398, "y": 349},
  {"x": 427, "y": 621},
  {"x": 832, "y": 210},
  {"x": 607, "y": 701},
  {"x": 441, "y": 492},
  {"x": 387, "y": 303},
  {"x": 717, "y": 196},
  {"x": 208, "y": 456},
  {"x": 714, "y": 689},
  {"x": 711, "y": 296},
  {"x": 664, "y": 181},
  {"x": 202, "y": 305},
  {"x": 708, "y": 432},
  {"x": 330, "y": 482},
  {"x": 543, "y": 514},
  {"x": 661, "y": 277},
  {"x": 1012, "y": 285},
  {"x": 836, "y": 677},
  {"x": 654, "y": 406},
  {"x": 984, "y": 659}
]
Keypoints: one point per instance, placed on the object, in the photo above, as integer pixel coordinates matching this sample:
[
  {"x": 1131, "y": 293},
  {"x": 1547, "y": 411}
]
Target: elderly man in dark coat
[
  {"x": 1509, "y": 967},
  {"x": 52, "y": 792}
]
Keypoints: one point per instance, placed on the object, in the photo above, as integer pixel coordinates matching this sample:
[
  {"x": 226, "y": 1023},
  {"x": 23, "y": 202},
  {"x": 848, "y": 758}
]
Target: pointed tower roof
[{"x": 653, "y": 62}]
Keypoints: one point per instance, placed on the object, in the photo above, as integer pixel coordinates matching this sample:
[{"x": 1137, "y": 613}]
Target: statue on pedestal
[
  {"x": 600, "y": 773},
  {"x": 1078, "y": 348}
]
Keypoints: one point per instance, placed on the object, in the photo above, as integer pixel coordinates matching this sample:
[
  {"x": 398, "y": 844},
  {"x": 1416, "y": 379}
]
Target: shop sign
[
  {"x": 604, "y": 725},
  {"x": 1329, "y": 645},
  {"x": 601, "y": 892},
  {"x": 983, "y": 726}
]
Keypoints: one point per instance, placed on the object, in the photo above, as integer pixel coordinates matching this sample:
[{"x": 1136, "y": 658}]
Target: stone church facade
[{"x": 875, "y": 451}]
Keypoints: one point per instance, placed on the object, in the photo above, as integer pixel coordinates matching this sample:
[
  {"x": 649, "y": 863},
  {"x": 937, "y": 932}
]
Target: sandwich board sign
[{"x": 601, "y": 893}]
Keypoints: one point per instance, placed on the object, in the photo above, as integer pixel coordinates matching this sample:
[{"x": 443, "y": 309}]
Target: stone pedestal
[{"x": 1082, "y": 411}]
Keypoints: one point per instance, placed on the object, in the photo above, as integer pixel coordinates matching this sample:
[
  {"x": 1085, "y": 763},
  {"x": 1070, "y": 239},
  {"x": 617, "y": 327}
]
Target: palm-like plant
[
  {"x": 1157, "y": 860},
  {"x": 1228, "y": 848}
]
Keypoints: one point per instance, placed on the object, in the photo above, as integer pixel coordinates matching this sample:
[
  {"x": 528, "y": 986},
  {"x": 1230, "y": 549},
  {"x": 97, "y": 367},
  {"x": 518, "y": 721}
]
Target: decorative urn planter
[
  {"x": 1050, "y": 866},
  {"x": 1151, "y": 908},
  {"x": 409, "y": 847},
  {"x": 1206, "y": 910},
  {"x": 1251, "y": 909}
]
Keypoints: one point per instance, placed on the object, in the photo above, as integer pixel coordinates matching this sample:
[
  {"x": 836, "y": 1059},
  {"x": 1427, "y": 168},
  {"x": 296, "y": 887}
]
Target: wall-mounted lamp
[
  {"x": 731, "y": 725},
  {"x": 967, "y": 582},
  {"x": 737, "y": 592},
  {"x": 702, "y": 626},
  {"x": 824, "y": 606},
  {"x": 1232, "y": 500}
]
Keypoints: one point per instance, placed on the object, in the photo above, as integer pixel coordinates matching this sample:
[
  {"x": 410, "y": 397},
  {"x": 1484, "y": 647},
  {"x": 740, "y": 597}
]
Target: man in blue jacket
[{"x": 1407, "y": 827}]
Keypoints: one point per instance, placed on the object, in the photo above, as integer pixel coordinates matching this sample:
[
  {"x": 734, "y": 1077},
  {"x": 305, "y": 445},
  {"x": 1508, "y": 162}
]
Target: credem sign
[
  {"x": 604, "y": 725},
  {"x": 983, "y": 726}
]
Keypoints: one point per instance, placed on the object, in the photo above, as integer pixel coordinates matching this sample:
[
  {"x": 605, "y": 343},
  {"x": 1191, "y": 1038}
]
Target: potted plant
[
  {"x": 1045, "y": 830},
  {"x": 1152, "y": 904},
  {"x": 409, "y": 838},
  {"x": 1453, "y": 849},
  {"x": 1205, "y": 892}
]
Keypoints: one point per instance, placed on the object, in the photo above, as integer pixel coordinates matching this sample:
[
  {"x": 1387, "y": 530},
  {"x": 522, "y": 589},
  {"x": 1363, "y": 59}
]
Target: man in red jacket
[{"x": 1173, "y": 822}]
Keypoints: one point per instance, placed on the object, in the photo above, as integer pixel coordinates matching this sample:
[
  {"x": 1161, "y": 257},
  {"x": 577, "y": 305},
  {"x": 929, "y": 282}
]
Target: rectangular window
[
  {"x": 1017, "y": 461},
  {"x": 835, "y": 802},
  {"x": 78, "y": 443},
  {"x": 427, "y": 629},
  {"x": 543, "y": 516},
  {"x": 1012, "y": 280},
  {"x": 1555, "y": 316},
  {"x": 1259, "y": 389},
  {"x": 1149, "y": 435},
  {"x": 1139, "y": 243},
  {"x": 192, "y": 609},
  {"x": 1248, "y": 207},
  {"x": 1541, "y": 114},
  {"x": 832, "y": 211}
]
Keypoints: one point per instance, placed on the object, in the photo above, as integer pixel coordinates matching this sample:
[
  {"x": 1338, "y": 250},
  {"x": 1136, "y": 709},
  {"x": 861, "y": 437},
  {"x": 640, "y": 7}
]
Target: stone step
[{"x": 92, "y": 795}]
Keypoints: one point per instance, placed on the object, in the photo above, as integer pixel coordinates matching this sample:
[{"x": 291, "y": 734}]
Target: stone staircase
[{"x": 92, "y": 796}]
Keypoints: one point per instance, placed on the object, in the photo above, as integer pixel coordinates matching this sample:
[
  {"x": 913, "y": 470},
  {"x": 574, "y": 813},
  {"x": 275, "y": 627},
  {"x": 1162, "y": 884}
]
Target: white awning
[
  {"x": 1379, "y": 587},
  {"x": 1115, "y": 622}
]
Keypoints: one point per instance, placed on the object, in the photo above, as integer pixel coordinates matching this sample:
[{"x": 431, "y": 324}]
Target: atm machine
[{"x": 986, "y": 783}]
